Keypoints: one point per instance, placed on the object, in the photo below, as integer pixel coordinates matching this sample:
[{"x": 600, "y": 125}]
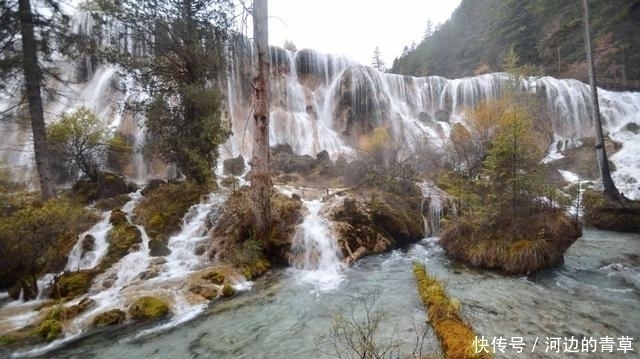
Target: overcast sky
[{"x": 355, "y": 27}]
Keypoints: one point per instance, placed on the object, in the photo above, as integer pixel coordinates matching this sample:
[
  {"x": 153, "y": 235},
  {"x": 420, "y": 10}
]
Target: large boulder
[
  {"x": 109, "y": 185},
  {"x": 372, "y": 221}
]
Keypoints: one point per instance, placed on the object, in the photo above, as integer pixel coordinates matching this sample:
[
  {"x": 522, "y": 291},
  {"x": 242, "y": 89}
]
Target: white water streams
[
  {"x": 315, "y": 250},
  {"x": 432, "y": 207}
]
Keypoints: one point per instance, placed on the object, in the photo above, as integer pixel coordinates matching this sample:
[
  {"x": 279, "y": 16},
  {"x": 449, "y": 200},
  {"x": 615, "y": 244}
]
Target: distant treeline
[{"x": 547, "y": 34}]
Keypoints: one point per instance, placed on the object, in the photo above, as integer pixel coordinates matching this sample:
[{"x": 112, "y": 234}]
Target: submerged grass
[{"x": 456, "y": 337}]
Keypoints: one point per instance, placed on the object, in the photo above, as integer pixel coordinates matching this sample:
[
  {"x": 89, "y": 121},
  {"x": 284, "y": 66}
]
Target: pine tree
[
  {"x": 376, "y": 60},
  {"x": 177, "y": 53},
  {"x": 33, "y": 82}
]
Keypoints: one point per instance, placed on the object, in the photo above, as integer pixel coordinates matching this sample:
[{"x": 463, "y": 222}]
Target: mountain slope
[{"x": 545, "y": 33}]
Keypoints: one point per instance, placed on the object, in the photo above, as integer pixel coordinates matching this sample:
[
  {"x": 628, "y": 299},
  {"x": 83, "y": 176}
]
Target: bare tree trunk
[
  {"x": 33, "y": 80},
  {"x": 610, "y": 189},
  {"x": 260, "y": 167}
]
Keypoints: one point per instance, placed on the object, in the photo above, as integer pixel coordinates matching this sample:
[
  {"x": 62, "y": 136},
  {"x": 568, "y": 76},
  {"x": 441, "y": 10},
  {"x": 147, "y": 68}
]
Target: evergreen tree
[
  {"x": 376, "y": 60},
  {"x": 177, "y": 53}
]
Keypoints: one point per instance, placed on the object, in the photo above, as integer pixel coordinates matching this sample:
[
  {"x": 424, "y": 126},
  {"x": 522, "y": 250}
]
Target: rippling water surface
[{"x": 595, "y": 294}]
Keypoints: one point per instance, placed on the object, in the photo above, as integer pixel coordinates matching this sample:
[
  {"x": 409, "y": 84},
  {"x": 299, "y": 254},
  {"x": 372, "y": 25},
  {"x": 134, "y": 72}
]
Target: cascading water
[
  {"x": 134, "y": 275},
  {"x": 315, "y": 253},
  {"x": 327, "y": 102},
  {"x": 92, "y": 245},
  {"x": 432, "y": 208}
]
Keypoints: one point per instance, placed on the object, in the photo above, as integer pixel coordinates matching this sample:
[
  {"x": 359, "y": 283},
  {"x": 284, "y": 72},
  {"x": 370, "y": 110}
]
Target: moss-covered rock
[
  {"x": 117, "y": 217},
  {"x": 109, "y": 318},
  {"x": 215, "y": 276},
  {"x": 61, "y": 312},
  {"x": 72, "y": 284},
  {"x": 368, "y": 220},
  {"x": 227, "y": 291},
  {"x": 158, "y": 248},
  {"x": 108, "y": 204},
  {"x": 146, "y": 308},
  {"x": 237, "y": 240},
  {"x": 603, "y": 213},
  {"x": 164, "y": 205},
  {"x": 108, "y": 186},
  {"x": 122, "y": 237},
  {"x": 49, "y": 329}
]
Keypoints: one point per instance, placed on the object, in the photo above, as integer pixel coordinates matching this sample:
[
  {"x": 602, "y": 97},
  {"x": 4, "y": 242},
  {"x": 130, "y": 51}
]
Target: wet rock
[
  {"x": 371, "y": 221},
  {"x": 110, "y": 185},
  {"x": 285, "y": 161},
  {"x": 158, "y": 248},
  {"x": 152, "y": 185},
  {"x": 72, "y": 284},
  {"x": 88, "y": 243},
  {"x": 632, "y": 127},
  {"x": 233, "y": 166},
  {"x": 442, "y": 116},
  {"x": 424, "y": 117},
  {"x": 227, "y": 291}
]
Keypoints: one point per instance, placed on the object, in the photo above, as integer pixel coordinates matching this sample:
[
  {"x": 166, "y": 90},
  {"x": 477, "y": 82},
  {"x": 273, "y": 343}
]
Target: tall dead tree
[
  {"x": 610, "y": 189},
  {"x": 33, "y": 82},
  {"x": 261, "y": 184}
]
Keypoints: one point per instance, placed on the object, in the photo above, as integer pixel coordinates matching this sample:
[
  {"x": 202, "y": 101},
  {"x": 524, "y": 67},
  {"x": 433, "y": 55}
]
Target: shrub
[
  {"x": 78, "y": 142},
  {"x": 36, "y": 238}
]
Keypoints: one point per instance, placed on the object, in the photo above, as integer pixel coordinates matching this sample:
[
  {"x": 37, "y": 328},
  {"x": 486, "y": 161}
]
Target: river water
[{"x": 594, "y": 295}]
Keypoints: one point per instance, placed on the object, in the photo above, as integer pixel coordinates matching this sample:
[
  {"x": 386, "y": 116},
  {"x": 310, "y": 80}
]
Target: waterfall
[
  {"x": 432, "y": 214},
  {"x": 328, "y": 102},
  {"x": 315, "y": 250}
]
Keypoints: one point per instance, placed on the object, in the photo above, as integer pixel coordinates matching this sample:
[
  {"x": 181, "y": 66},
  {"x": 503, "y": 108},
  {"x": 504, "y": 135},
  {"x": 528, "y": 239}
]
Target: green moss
[
  {"x": 121, "y": 238},
  {"x": 49, "y": 329},
  {"x": 73, "y": 284},
  {"x": 255, "y": 269},
  {"x": 109, "y": 318},
  {"x": 118, "y": 217},
  {"x": 215, "y": 276},
  {"x": 4, "y": 340},
  {"x": 164, "y": 205},
  {"x": 108, "y": 204},
  {"x": 228, "y": 291},
  {"x": 147, "y": 307}
]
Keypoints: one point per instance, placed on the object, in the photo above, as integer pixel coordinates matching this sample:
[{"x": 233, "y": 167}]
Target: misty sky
[{"x": 355, "y": 27}]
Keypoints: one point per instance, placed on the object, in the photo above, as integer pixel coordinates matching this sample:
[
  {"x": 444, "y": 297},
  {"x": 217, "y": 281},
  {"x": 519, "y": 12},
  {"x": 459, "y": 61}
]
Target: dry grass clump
[{"x": 456, "y": 337}]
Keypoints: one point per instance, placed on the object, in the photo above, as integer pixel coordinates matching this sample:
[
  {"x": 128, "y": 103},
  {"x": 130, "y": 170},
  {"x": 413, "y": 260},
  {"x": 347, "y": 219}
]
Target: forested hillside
[{"x": 545, "y": 33}]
